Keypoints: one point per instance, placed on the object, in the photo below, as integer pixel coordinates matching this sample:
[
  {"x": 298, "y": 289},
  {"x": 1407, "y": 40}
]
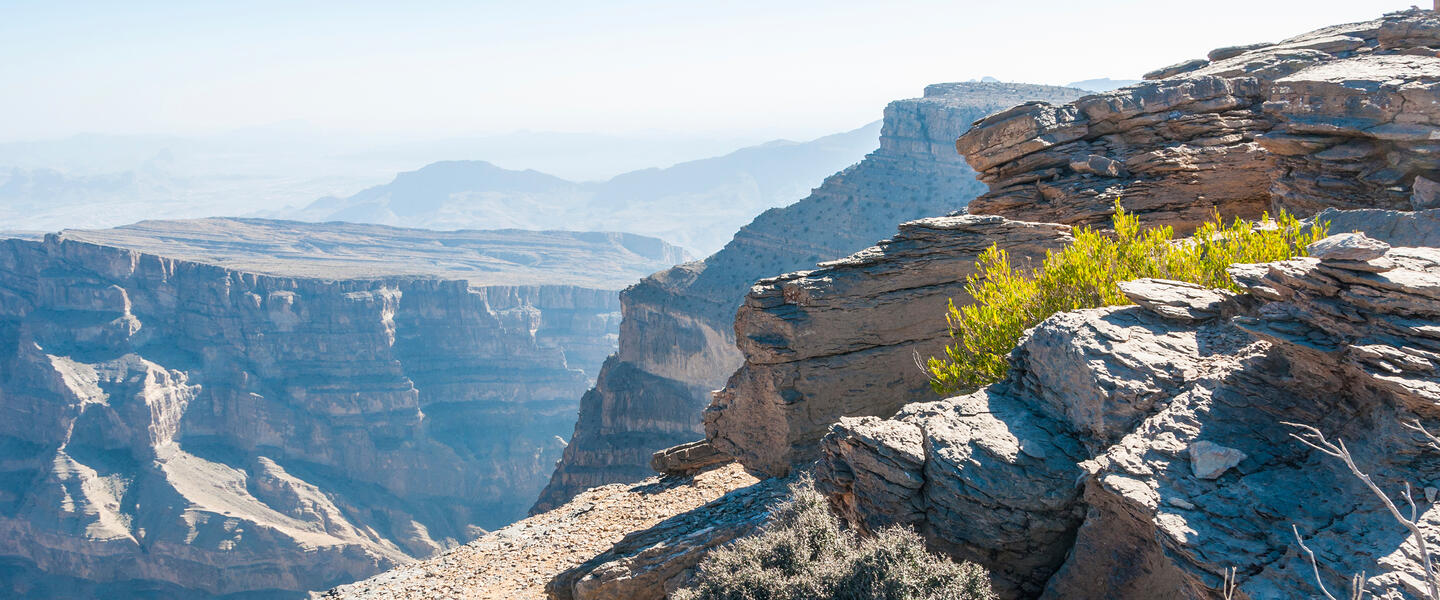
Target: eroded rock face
[
  {"x": 179, "y": 425},
  {"x": 677, "y": 340},
  {"x": 1131, "y": 454},
  {"x": 1342, "y": 117},
  {"x": 842, "y": 340}
]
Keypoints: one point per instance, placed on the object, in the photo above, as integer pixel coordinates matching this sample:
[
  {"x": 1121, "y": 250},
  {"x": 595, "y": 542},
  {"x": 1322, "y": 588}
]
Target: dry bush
[{"x": 805, "y": 553}]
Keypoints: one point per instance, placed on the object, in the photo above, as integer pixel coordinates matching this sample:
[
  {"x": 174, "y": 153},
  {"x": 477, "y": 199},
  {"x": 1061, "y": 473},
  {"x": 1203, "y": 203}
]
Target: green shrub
[
  {"x": 1085, "y": 274},
  {"x": 804, "y": 553}
]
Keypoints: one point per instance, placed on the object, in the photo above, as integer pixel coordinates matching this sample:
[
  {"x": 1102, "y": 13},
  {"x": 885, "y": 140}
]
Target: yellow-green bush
[
  {"x": 804, "y": 553},
  {"x": 1008, "y": 300}
]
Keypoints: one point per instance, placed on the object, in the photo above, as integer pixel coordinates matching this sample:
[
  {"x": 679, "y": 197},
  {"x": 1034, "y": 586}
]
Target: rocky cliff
[
  {"x": 847, "y": 336},
  {"x": 223, "y": 406},
  {"x": 1342, "y": 116},
  {"x": 677, "y": 341},
  {"x": 1136, "y": 453}
]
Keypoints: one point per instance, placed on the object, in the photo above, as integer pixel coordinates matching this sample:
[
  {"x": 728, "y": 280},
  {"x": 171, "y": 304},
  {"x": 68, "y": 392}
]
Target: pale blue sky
[{"x": 774, "y": 69}]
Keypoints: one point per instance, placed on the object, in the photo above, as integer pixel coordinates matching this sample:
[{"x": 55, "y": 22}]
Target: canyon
[{"x": 237, "y": 406}]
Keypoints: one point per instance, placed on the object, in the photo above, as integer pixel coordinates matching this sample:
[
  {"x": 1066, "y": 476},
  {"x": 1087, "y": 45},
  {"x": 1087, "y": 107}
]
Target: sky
[{"x": 742, "y": 68}]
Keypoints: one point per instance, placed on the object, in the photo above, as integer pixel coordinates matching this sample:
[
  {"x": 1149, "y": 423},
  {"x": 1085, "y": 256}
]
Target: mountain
[
  {"x": 696, "y": 204},
  {"x": 97, "y": 181},
  {"x": 216, "y": 407}
]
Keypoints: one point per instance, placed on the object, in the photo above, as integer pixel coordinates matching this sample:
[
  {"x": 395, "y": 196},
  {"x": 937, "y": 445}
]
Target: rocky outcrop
[
  {"x": 677, "y": 342},
  {"x": 237, "y": 406},
  {"x": 1342, "y": 117},
  {"x": 519, "y": 561},
  {"x": 1131, "y": 453},
  {"x": 843, "y": 340},
  {"x": 687, "y": 458},
  {"x": 652, "y": 563}
]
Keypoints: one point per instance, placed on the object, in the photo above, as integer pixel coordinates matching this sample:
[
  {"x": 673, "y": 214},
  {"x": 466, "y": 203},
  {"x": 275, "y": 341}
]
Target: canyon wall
[
  {"x": 677, "y": 341},
  {"x": 238, "y": 406}
]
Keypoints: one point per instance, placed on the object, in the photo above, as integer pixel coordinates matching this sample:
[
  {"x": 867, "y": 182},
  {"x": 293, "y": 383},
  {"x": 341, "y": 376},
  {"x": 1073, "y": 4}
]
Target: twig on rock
[{"x": 1312, "y": 437}]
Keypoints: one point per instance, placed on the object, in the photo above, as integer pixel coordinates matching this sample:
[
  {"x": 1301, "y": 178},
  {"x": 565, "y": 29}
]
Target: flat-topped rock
[
  {"x": 358, "y": 251},
  {"x": 1179, "y": 300},
  {"x": 1356, "y": 247}
]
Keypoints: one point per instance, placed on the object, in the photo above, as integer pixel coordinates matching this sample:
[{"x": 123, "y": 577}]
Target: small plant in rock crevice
[{"x": 1008, "y": 299}]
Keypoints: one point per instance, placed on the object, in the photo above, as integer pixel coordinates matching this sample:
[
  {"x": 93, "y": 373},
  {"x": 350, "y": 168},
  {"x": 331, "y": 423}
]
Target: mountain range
[{"x": 696, "y": 204}]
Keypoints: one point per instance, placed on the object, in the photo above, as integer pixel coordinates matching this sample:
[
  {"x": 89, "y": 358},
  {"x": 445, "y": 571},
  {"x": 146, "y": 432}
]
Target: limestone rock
[
  {"x": 687, "y": 458},
  {"x": 1347, "y": 247},
  {"x": 1179, "y": 300},
  {"x": 239, "y": 417},
  {"x": 1210, "y": 460},
  {"x": 1176, "y": 69},
  {"x": 1233, "y": 51},
  {"x": 1425, "y": 193},
  {"x": 838, "y": 340},
  {"x": 1342, "y": 117},
  {"x": 677, "y": 341}
]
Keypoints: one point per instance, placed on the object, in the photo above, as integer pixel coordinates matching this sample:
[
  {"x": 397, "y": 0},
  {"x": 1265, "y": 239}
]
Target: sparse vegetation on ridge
[
  {"x": 804, "y": 553},
  {"x": 1009, "y": 300}
]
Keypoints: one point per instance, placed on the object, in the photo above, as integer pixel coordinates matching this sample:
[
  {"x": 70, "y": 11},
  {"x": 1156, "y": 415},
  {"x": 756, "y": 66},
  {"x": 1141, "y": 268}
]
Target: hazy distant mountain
[
  {"x": 1103, "y": 84},
  {"x": 696, "y": 204},
  {"x": 97, "y": 181}
]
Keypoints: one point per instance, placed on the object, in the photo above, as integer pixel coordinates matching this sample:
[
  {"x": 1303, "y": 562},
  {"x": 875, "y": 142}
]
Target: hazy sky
[{"x": 771, "y": 68}]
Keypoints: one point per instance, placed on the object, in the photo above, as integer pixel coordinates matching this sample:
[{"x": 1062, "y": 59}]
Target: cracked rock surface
[{"x": 1133, "y": 455}]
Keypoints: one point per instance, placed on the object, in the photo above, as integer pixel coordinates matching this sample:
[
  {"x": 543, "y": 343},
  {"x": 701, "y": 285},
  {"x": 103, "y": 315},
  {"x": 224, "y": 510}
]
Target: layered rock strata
[
  {"x": 1136, "y": 453},
  {"x": 1343, "y": 117},
  {"x": 843, "y": 340},
  {"x": 283, "y": 407},
  {"x": 677, "y": 342}
]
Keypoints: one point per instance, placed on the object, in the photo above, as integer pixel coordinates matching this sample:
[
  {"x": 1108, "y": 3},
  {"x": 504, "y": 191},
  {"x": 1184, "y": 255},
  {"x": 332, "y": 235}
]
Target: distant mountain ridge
[{"x": 697, "y": 204}]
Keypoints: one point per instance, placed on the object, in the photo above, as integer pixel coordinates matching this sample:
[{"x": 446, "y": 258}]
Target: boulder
[
  {"x": 687, "y": 458},
  {"x": 1352, "y": 246}
]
